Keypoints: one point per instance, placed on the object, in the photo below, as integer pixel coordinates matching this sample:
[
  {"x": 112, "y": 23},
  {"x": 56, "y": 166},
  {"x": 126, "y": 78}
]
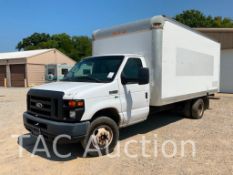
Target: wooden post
[
  {"x": 8, "y": 75},
  {"x": 25, "y": 82},
  {"x": 5, "y": 82}
]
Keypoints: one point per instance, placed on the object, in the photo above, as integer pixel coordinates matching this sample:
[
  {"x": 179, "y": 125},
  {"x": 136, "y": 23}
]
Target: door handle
[
  {"x": 146, "y": 95},
  {"x": 113, "y": 92}
]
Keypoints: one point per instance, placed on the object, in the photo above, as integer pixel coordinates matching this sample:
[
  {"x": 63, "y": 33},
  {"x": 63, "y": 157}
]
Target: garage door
[
  {"x": 17, "y": 75},
  {"x": 2, "y": 74}
]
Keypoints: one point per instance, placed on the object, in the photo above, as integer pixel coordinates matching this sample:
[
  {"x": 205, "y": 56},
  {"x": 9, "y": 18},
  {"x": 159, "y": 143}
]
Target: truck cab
[{"x": 111, "y": 88}]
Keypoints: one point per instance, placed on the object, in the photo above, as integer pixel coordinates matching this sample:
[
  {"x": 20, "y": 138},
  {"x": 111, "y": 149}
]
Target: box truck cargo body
[
  {"x": 182, "y": 63},
  {"x": 136, "y": 69}
]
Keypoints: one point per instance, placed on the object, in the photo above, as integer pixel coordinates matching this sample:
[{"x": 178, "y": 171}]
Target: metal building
[
  {"x": 225, "y": 37},
  {"x": 27, "y": 68}
]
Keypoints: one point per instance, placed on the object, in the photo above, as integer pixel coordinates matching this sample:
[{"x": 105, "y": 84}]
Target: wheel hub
[
  {"x": 200, "y": 109},
  {"x": 103, "y": 137}
]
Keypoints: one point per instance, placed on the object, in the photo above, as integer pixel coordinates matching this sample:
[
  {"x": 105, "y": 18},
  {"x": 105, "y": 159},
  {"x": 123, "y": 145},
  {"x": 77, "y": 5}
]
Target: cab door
[{"x": 134, "y": 97}]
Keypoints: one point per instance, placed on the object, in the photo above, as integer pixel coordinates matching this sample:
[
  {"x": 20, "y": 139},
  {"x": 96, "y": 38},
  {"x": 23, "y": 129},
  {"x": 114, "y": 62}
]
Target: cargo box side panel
[
  {"x": 129, "y": 43},
  {"x": 190, "y": 64},
  {"x": 139, "y": 43}
]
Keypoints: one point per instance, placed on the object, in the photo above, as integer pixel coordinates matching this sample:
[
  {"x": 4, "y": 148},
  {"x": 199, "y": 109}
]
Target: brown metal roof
[{"x": 222, "y": 35}]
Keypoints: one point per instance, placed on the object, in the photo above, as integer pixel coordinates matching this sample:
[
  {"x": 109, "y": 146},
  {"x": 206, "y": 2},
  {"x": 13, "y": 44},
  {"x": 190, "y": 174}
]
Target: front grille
[{"x": 46, "y": 104}]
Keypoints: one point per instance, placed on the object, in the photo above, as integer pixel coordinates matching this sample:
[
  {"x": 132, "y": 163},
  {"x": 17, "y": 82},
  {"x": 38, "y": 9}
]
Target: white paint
[
  {"x": 133, "y": 43},
  {"x": 134, "y": 104},
  {"x": 174, "y": 38},
  {"x": 130, "y": 101},
  {"x": 226, "y": 80}
]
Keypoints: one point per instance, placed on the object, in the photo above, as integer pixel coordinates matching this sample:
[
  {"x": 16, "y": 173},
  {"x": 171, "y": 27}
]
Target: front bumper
[{"x": 51, "y": 129}]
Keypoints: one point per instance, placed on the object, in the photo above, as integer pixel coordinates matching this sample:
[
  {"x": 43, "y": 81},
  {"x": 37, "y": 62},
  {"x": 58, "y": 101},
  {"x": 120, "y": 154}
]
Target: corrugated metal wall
[
  {"x": 226, "y": 80},
  {"x": 35, "y": 74},
  {"x": 226, "y": 39},
  {"x": 224, "y": 36}
]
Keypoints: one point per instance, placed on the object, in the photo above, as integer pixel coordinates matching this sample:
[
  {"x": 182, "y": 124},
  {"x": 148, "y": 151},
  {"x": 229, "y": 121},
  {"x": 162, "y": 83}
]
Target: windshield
[{"x": 95, "y": 69}]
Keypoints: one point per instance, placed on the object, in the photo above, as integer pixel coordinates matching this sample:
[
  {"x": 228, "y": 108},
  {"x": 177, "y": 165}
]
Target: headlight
[
  {"x": 73, "y": 110},
  {"x": 72, "y": 114}
]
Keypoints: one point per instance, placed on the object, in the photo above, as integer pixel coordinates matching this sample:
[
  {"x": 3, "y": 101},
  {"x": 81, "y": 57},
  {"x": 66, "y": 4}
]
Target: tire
[
  {"x": 187, "y": 109},
  {"x": 207, "y": 102},
  {"x": 104, "y": 133},
  {"x": 198, "y": 109}
]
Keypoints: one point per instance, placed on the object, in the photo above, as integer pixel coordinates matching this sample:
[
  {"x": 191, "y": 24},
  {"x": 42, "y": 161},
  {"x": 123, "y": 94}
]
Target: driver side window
[{"x": 131, "y": 70}]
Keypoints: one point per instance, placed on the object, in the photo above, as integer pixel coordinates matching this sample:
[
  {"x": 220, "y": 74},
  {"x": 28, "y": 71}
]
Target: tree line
[
  {"x": 195, "y": 18},
  {"x": 78, "y": 47}
]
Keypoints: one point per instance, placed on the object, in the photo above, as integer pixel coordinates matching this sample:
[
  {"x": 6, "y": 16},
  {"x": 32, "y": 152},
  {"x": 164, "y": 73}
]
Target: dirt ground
[{"x": 212, "y": 135}]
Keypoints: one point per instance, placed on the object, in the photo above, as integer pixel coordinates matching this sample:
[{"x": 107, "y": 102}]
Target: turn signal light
[
  {"x": 80, "y": 104},
  {"x": 73, "y": 103}
]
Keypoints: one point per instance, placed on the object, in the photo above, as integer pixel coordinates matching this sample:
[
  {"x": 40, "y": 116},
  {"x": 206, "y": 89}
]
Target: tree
[
  {"x": 195, "y": 18},
  {"x": 33, "y": 41},
  {"x": 76, "y": 47},
  {"x": 83, "y": 45},
  {"x": 192, "y": 18}
]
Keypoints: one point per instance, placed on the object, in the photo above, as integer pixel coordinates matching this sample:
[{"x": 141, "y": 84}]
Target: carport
[{"x": 225, "y": 37}]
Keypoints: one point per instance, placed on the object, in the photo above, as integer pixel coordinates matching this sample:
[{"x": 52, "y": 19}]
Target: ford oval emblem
[{"x": 39, "y": 105}]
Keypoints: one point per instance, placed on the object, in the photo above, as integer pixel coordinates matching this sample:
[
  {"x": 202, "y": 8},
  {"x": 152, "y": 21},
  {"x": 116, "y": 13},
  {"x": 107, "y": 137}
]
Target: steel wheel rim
[
  {"x": 102, "y": 137},
  {"x": 200, "y": 109}
]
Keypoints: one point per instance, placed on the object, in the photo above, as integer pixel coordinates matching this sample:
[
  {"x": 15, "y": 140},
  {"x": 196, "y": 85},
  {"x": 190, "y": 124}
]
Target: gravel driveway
[{"x": 212, "y": 137}]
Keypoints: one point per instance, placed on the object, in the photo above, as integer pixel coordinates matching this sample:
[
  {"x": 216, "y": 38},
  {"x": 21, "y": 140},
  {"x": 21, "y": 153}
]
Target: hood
[{"x": 78, "y": 89}]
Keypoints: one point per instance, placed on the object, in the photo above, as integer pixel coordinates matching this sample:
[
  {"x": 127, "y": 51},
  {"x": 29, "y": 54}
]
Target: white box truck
[{"x": 136, "y": 68}]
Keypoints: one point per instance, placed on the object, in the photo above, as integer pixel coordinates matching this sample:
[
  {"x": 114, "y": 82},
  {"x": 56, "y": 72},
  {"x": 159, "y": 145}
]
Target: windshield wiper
[
  {"x": 92, "y": 78},
  {"x": 83, "y": 78}
]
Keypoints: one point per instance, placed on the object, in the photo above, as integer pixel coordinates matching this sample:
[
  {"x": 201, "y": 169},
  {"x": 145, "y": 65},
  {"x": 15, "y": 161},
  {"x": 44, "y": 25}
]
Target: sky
[{"x": 21, "y": 18}]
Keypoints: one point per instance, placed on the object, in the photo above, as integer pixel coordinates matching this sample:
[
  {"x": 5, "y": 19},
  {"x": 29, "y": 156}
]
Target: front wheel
[{"x": 102, "y": 137}]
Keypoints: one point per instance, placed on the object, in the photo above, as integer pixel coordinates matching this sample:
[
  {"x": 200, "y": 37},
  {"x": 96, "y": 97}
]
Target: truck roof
[
  {"x": 125, "y": 55},
  {"x": 140, "y": 25}
]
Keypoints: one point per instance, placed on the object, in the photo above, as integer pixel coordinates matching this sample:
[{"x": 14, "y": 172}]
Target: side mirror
[
  {"x": 123, "y": 79},
  {"x": 143, "y": 76}
]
